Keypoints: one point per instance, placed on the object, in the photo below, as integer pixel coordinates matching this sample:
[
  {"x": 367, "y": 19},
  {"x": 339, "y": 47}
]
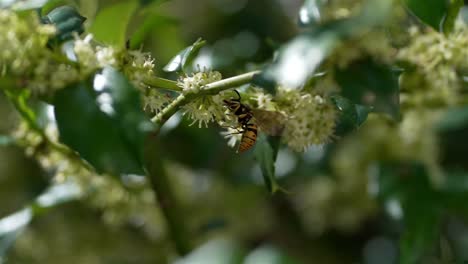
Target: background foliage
[{"x": 86, "y": 177}]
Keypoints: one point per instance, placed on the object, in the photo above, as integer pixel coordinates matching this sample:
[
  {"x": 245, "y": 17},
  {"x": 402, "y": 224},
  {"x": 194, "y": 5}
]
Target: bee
[{"x": 252, "y": 120}]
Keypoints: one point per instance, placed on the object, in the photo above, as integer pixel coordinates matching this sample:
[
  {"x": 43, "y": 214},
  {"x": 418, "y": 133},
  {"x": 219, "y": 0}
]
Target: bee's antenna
[{"x": 237, "y": 95}]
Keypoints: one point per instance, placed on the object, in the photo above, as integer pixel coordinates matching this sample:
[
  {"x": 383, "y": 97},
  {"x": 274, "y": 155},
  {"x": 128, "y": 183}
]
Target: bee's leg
[{"x": 235, "y": 133}]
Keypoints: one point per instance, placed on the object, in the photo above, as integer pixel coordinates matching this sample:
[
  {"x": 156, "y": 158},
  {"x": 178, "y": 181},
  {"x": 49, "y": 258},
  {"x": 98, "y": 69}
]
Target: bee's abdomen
[{"x": 248, "y": 137}]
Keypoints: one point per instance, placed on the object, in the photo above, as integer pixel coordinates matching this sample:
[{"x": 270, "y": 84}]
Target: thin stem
[
  {"x": 169, "y": 110},
  {"x": 219, "y": 86},
  {"x": 157, "y": 82},
  {"x": 209, "y": 89}
]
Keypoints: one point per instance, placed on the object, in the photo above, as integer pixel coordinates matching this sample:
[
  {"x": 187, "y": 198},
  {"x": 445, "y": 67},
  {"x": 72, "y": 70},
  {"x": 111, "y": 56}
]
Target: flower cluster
[
  {"x": 138, "y": 66},
  {"x": 323, "y": 204},
  {"x": 119, "y": 204},
  {"x": 375, "y": 44},
  {"x": 438, "y": 59},
  {"x": 92, "y": 57},
  {"x": 204, "y": 109},
  {"x": 24, "y": 53},
  {"x": 379, "y": 139},
  {"x": 23, "y": 41},
  {"x": 198, "y": 80},
  {"x": 339, "y": 9},
  {"x": 310, "y": 118}
]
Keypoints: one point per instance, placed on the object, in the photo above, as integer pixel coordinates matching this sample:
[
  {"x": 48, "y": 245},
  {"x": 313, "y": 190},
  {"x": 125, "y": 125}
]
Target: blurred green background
[{"x": 230, "y": 216}]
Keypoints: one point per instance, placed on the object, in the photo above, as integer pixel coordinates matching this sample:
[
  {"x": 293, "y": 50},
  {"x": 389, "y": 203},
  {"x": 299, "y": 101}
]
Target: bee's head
[
  {"x": 232, "y": 104},
  {"x": 233, "y": 100}
]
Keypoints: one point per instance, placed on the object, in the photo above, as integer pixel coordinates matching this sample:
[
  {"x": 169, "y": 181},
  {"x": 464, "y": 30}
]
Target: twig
[
  {"x": 160, "y": 183},
  {"x": 209, "y": 89}
]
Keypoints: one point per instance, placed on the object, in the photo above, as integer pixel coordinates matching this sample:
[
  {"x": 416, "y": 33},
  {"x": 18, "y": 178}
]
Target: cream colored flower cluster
[
  {"x": 118, "y": 203},
  {"x": 438, "y": 59},
  {"x": 22, "y": 42},
  {"x": 310, "y": 118},
  {"x": 24, "y": 53},
  {"x": 204, "y": 109}
]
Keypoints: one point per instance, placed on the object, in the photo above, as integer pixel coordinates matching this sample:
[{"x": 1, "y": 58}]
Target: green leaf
[
  {"x": 150, "y": 22},
  {"x": 454, "y": 119},
  {"x": 422, "y": 206},
  {"x": 103, "y": 121},
  {"x": 67, "y": 20},
  {"x": 266, "y": 150},
  {"x": 298, "y": 60},
  {"x": 452, "y": 130},
  {"x": 374, "y": 85},
  {"x": 431, "y": 12},
  {"x": 422, "y": 228},
  {"x": 152, "y": 2},
  {"x": 451, "y": 16},
  {"x": 351, "y": 115},
  {"x": 110, "y": 25},
  {"x": 184, "y": 57},
  {"x": 309, "y": 14}
]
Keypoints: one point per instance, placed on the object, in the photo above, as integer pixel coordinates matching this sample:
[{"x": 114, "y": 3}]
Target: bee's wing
[{"x": 270, "y": 122}]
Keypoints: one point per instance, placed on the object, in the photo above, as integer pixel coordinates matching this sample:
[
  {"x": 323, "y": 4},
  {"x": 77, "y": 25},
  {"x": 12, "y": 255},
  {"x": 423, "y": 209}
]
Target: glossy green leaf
[
  {"x": 452, "y": 14},
  {"x": 110, "y": 25},
  {"x": 67, "y": 20},
  {"x": 351, "y": 115},
  {"x": 298, "y": 60},
  {"x": 309, "y": 14},
  {"x": 103, "y": 122},
  {"x": 374, "y": 85},
  {"x": 266, "y": 150},
  {"x": 431, "y": 12},
  {"x": 184, "y": 57},
  {"x": 422, "y": 206}
]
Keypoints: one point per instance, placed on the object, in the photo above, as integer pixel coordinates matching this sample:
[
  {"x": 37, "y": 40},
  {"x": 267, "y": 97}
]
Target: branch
[
  {"x": 219, "y": 86},
  {"x": 167, "y": 201},
  {"x": 169, "y": 110},
  {"x": 209, "y": 89}
]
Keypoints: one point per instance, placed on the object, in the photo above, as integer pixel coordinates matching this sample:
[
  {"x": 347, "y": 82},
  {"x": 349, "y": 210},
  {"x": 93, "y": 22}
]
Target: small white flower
[
  {"x": 154, "y": 101},
  {"x": 232, "y": 135},
  {"x": 106, "y": 56},
  {"x": 195, "y": 82}
]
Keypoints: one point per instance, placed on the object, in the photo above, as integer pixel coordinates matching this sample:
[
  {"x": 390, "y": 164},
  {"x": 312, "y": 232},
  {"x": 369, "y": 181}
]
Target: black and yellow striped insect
[{"x": 251, "y": 120}]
